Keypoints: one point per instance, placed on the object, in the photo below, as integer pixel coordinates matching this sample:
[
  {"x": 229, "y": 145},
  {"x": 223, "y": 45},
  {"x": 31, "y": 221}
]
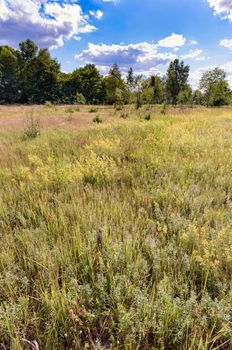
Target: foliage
[
  {"x": 198, "y": 98},
  {"x": 147, "y": 117},
  {"x": 9, "y": 73},
  {"x": 115, "y": 87},
  {"x": 124, "y": 115},
  {"x": 32, "y": 130},
  {"x": 185, "y": 96},
  {"x": 80, "y": 99},
  {"x": 97, "y": 119},
  {"x": 215, "y": 88},
  {"x": 164, "y": 109},
  {"x": 30, "y": 75},
  {"x": 158, "y": 89},
  {"x": 177, "y": 77},
  {"x": 93, "y": 110}
]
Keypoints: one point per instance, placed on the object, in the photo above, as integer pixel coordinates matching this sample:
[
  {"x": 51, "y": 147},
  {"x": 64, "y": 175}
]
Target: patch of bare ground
[{"x": 16, "y": 118}]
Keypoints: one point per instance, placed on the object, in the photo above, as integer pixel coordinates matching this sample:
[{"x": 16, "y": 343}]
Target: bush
[
  {"x": 93, "y": 110},
  {"x": 124, "y": 115},
  {"x": 164, "y": 109},
  {"x": 48, "y": 104},
  {"x": 69, "y": 110},
  {"x": 32, "y": 130},
  {"x": 97, "y": 120},
  {"x": 80, "y": 99},
  {"x": 147, "y": 117},
  {"x": 118, "y": 105}
]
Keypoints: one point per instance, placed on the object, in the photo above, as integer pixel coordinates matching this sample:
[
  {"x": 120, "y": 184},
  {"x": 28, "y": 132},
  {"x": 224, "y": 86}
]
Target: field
[{"x": 117, "y": 234}]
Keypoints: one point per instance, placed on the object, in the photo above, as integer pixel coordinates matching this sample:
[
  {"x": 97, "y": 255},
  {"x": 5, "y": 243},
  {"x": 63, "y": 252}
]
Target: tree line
[{"x": 30, "y": 75}]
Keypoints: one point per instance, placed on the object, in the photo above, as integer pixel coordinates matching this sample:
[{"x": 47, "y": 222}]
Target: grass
[{"x": 120, "y": 236}]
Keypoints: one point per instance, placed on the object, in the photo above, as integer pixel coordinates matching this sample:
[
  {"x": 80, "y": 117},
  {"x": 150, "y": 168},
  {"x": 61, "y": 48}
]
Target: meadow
[{"x": 116, "y": 228}]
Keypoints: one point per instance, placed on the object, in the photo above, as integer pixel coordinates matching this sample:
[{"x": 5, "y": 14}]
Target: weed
[
  {"x": 147, "y": 117},
  {"x": 124, "y": 115},
  {"x": 164, "y": 109},
  {"x": 93, "y": 110},
  {"x": 97, "y": 120},
  {"x": 32, "y": 129},
  {"x": 69, "y": 110},
  {"x": 48, "y": 104}
]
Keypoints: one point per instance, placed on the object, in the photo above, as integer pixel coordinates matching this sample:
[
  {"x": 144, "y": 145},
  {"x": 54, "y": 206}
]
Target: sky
[{"x": 143, "y": 34}]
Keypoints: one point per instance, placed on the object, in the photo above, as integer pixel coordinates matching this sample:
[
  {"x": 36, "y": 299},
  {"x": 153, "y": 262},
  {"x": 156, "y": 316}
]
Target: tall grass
[{"x": 118, "y": 237}]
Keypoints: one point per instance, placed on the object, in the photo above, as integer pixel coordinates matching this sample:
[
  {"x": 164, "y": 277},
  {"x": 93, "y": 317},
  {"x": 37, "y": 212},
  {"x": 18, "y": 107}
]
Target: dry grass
[{"x": 117, "y": 235}]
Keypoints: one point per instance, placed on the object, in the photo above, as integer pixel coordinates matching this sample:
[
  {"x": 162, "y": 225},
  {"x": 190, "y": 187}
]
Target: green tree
[
  {"x": 215, "y": 87},
  {"x": 177, "y": 77},
  {"x": 130, "y": 78},
  {"x": 88, "y": 82},
  {"x": 115, "y": 86},
  {"x": 185, "y": 96},
  {"x": 115, "y": 71},
  {"x": 198, "y": 97},
  {"x": 158, "y": 89},
  {"x": 9, "y": 86},
  {"x": 147, "y": 92},
  {"x": 80, "y": 99},
  {"x": 45, "y": 78}
]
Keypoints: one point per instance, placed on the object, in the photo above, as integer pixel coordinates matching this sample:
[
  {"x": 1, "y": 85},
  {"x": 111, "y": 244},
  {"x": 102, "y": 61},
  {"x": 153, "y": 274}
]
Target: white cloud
[
  {"x": 193, "y": 42},
  {"x": 222, "y": 8},
  {"x": 97, "y": 14},
  {"x": 172, "y": 41},
  {"x": 141, "y": 56},
  {"x": 196, "y": 54},
  {"x": 48, "y": 23},
  {"x": 145, "y": 58},
  {"x": 227, "y": 43}
]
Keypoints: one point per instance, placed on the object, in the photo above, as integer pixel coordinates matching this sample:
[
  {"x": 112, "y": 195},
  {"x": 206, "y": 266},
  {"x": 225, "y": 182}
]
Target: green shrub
[
  {"x": 124, "y": 115},
  {"x": 147, "y": 117},
  {"x": 69, "y": 110},
  {"x": 97, "y": 119},
  {"x": 93, "y": 110},
  {"x": 80, "y": 99},
  {"x": 48, "y": 104},
  {"x": 32, "y": 130},
  {"x": 164, "y": 109}
]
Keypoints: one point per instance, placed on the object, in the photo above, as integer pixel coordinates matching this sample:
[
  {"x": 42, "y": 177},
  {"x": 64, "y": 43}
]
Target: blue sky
[{"x": 143, "y": 34}]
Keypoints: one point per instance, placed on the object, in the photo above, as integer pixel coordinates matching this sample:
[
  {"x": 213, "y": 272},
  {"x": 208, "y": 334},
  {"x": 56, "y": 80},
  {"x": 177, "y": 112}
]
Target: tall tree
[
  {"x": 115, "y": 71},
  {"x": 215, "y": 88},
  {"x": 130, "y": 77},
  {"x": 45, "y": 78},
  {"x": 115, "y": 86},
  {"x": 177, "y": 78},
  {"x": 9, "y": 85},
  {"x": 158, "y": 89},
  {"x": 88, "y": 82},
  {"x": 38, "y": 74}
]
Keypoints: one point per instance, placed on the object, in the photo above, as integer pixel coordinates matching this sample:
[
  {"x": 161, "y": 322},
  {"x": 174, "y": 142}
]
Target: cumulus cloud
[
  {"x": 222, "y": 8},
  {"x": 227, "y": 43},
  {"x": 196, "y": 54},
  {"x": 97, "y": 14},
  {"x": 172, "y": 41},
  {"x": 145, "y": 58},
  {"x": 141, "y": 56},
  {"x": 193, "y": 42},
  {"x": 48, "y": 23}
]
